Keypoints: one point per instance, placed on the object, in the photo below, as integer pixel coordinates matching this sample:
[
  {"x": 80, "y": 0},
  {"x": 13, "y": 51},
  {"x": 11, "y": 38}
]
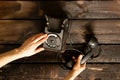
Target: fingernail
[
  {"x": 42, "y": 49},
  {"x": 45, "y": 34},
  {"x": 81, "y": 56}
]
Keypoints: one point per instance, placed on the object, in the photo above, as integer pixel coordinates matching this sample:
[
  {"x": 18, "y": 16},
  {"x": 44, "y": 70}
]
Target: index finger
[
  {"x": 41, "y": 41},
  {"x": 39, "y": 37}
]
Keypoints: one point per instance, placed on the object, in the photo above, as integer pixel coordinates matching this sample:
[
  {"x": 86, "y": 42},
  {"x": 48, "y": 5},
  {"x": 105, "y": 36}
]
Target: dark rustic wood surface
[
  {"x": 106, "y": 31},
  {"x": 56, "y": 72},
  {"x": 71, "y": 9},
  {"x": 94, "y": 9},
  {"x": 19, "y": 10},
  {"x": 21, "y": 19},
  {"x": 16, "y": 31},
  {"x": 109, "y": 54}
]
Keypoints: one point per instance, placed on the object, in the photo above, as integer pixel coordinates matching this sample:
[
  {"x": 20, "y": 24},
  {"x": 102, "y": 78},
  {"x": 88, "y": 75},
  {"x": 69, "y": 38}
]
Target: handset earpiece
[{"x": 93, "y": 43}]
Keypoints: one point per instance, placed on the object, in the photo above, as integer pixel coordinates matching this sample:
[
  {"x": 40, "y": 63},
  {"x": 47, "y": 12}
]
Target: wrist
[
  {"x": 9, "y": 56},
  {"x": 18, "y": 53},
  {"x": 72, "y": 75}
]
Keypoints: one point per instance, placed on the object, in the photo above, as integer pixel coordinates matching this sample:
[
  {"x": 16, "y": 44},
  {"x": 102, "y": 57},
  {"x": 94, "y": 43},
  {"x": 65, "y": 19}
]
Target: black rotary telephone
[{"x": 57, "y": 30}]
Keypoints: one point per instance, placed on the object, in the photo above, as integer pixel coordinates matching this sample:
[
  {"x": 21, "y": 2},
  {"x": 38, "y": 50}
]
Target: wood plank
[
  {"x": 70, "y": 9},
  {"x": 16, "y": 31},
  {"x": 19, "y": 10},
  {"x": 55, "y": 72},
  {"x": 106, "y": 31},
  {"x": 94, "y": 9},
  {"x": 109, "y": 54}
]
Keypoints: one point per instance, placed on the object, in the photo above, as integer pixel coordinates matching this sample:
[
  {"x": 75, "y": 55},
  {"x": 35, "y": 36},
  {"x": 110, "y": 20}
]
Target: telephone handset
[{"x": 89, "y": 53}]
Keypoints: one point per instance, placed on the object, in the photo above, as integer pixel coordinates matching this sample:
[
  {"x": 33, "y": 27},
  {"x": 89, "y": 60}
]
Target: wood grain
[
  {"x": 67, "y": 9},
  {"x": 19, "y": 10},
  {"x": 20, "y": 20},
  {"x": 109, "y": 54},
  {"x": 106, "y": 31},
  {"x": 92, "y": 9},
  {"x": 17, "y": 31},
  {"x": 55, "y": 72}
]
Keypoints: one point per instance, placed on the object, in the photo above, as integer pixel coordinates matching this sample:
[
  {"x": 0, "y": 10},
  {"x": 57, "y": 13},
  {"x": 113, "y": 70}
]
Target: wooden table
[{"x": 21, "y": 19}]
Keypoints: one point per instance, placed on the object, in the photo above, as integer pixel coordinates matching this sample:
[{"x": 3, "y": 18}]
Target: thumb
[
  {"x": 79, "y": 58},
  {"x": 39, "y": 50}
]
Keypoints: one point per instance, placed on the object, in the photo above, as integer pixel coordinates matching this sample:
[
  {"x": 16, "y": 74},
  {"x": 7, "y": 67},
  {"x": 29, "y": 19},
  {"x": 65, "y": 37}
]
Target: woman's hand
[
  {"x": 30, "y": 46},
  {"x": 77, "y": 69}
]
